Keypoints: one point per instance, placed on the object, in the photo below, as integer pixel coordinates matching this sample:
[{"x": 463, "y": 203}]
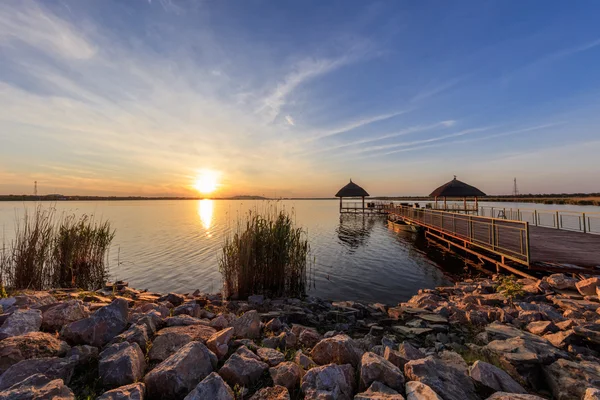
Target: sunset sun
[{"x": 206, "y": 182}]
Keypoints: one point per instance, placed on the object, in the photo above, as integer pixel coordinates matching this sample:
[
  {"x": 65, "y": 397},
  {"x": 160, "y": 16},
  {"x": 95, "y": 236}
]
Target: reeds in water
[
  {"x": 267, "y": 255},
  {"x": 52, "y": 252}
]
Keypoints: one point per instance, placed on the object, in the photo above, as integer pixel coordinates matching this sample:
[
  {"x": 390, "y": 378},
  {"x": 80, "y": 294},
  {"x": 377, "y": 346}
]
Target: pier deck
[{"x": 554, "y": 246}]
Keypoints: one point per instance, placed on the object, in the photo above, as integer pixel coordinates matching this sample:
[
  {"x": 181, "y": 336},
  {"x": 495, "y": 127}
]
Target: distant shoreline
[{"x": 580, "y": 199}]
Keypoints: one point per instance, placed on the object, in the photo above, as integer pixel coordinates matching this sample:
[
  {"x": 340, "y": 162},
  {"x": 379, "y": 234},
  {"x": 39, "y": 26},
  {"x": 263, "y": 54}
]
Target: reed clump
[
  {"x": 50, "y": 252},
  {"x": 267, "y": 254}
]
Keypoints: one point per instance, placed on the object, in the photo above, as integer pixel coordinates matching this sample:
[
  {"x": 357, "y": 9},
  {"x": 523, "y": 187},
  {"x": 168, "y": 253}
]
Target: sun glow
[{"x": 206, "y": 182}]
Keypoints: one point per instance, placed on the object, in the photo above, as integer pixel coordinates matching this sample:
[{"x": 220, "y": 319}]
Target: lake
[{"x": 174, "y": 245}]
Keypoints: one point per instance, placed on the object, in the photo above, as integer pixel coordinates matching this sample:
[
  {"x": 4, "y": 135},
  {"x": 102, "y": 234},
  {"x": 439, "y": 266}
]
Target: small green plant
[{"x": 510, "y": 288}]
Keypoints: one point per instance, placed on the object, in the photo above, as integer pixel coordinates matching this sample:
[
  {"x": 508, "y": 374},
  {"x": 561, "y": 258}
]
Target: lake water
[{"x": 174, "y": 246}]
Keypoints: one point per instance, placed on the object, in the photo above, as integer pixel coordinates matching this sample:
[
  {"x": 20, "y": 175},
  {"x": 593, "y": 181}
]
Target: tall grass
[
  {"x": 267, "y": 255},
  {"x": 52, "y": 252}
]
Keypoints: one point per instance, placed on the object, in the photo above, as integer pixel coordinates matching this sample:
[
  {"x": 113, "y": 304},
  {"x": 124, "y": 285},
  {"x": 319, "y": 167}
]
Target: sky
[{"x": 294, "y": 98}]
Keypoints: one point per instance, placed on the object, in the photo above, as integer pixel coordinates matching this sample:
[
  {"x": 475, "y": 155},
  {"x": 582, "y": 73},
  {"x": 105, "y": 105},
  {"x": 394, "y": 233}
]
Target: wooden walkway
[{"x": 507, "y": 243}]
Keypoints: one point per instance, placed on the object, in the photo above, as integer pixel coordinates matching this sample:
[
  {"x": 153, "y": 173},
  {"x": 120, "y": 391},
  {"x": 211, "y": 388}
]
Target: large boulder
[
  {"x": 561, "y": 282},
  {"x": 30, "y": 345},
  {"x": 376, "y": 368},
  {"x": 590, "y": 332},
  {"x": 287, "y": 374},
  {"x": 135, "y": 334},
  {"x": 175, "y": 377},
  {"x": 526, "y": 350},
  {"x": 443, "y": 379},
  {"x": 378, "y": 391},
  {"x": 570, "y": 379},
  {"x": 169, "y": 340},
  {"x": 38, "y": 387},
  {"x": 270, "y": 356},
  {"x": 272, "y": 393},
  {"x": 101, "y": 327},
  {"x": 247, "y": 326},
  {"x": 219, "y": 341},
  {"x": 330, "y": 381},
  {"x": 121, "y": 364},
  {"x": 494, "y": 378},
  {"x": 212, "y": 387},
  {"x": 52, "y": 367},
  {"x": 54, "y": 318},
  {"x": 242, "y": 370},
  {"x": 339, "y": 349},
  {"x": 419, "y": 391},
  {"x": 134, "y": 391},
  {"x": 587, "y": 287},
  {"x": 21, "y": 322}
]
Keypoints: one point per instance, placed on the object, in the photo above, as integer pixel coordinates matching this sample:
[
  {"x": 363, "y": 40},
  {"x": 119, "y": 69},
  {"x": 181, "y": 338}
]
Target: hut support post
[
  {"x": 363, "y": 204},
  {"x": 465, "y": 204},
  {"x": 340, "y": 204},
  {"x": 445, "y": 205},
  {"x": 476, "y": 206}
]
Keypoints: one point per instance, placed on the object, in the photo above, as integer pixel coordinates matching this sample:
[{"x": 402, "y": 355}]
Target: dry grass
[{"x": 266, "y": 255}]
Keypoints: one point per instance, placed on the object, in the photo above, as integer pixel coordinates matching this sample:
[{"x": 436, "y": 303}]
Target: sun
[{"x": 207, "y": 181}]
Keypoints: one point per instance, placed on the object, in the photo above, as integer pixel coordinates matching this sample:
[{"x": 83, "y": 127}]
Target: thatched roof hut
[
  {"x": 352, "y": 190},
  {"x": 457, "y": 189}
]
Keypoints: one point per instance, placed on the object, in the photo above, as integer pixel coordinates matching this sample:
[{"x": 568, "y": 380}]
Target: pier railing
[
  {"x": 586, "y": 222},
  {"x": 509, "y": 239}
]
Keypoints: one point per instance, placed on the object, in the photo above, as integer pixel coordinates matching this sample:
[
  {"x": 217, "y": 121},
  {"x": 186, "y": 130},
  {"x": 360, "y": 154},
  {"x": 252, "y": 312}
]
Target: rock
[
  {"x": 62, "y": 314},
  {"x": 169, "y": 340},
  {"x": 561, "y": 282},
  {"x": 38, "y": 387},
  {"x": 274, "y": 325},
  {"x": 192, "y": 309},
  {"x": 21, "y": 322},
  {"x": 121, "y": 364},
  {"x": 560, "y": 339},
  {"x": 211, "y": 387},
  {"x": 410, "y": 352},
  {"x": 542, "y": 327},
  {"x": 340, "y": 349},
  {"x": 287, "y": 374},
  {"x": 494, "y": 378},
  {"x": 330, "y": 381},
  {"x": 270, "y": 356},
  {"x": 394, "y": 357},
  {"x": 53, "y": 367},
  {"x": 566, "y": 325},
  {"x": 513, "y": 396},
  {"x": 587, "y": 287},
  {"x": 570, "y": 379},
  {"x": 148, "y": 307},
  {"x": 454, "y": 360},
  {"x": 453, "y": 384},
  {"x": 309, "y": 338},
  {"x": 30, "y": 345},
  {"x": 135, "y": 391},
  {"x": 579, "y": 306},
  {"x": 272, "y": 393},
  {"x": 592, "y": 394},
  {"x": 173, "y": 298},
  {"x": 247, "y": 326},
  {"x": 242, "y": 370},
  {"x": 246, "y": 352},
  {"x": 303, "y": 360},
  {"x": 419, "y": 391},
  {"x": 257, "y": 299},
  {"x": 378, "y": 391},
  {"x": 220, "y": 322},
  {"x": 529, "y": 316},
  {"x": 100, "y": 328},
  {"x": 219, "y": 341},
  {"x": 176, "y": 376},
  {"x": 184, "y": 320},
  {"x": 376, "y": 368},
  {"x": 151, "y": 320},
  {"x": 409, "y": 331},
  {"x": 520, "y": 350},
  {"x": 550, "y": 313},
  {"x": 590, "y": 332},
  {"x": 82, "y": 355}
]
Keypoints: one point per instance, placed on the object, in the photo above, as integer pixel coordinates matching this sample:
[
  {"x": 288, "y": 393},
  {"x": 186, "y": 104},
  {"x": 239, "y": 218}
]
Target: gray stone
[
  {"x": 542, "y": 327},
  {"x": 219, "y": 322},
  {"x": 212, "y": 387},
  {"x": 561, "y": 282},
  {"x": 52, "y": 367},
  {"x": 590, "y": 332},
  {"x": 526, "y": 350},
  {"x": 570, "y": 379},
  {"x": 272, "y": 393},
  {"x": 135, "y": 334},
  {"x": 121, "y": 364},
  {"x": 247, "y": 326},
  {"x": 419, "y": 391},
  {"x": 176, "y": 376},
  {"x": 101, "y": 327},
  {"x": 169, "y": 340},
  {"x": 453, "y": 384},
  {"x": 303, "y": 360},
  {"x": 191, "y": 309},
  {"x": 218, "y": 343},
  {"x": 270, "y": 356},
  {"x": 376, "y": 368},
  {"x": 242, "y": 370},
  {"x": 135, "y": 391},
  {"x": 330, "y": 381},
  {"x": 378, "y": 391},
  {"x": 38, "y": 387},
  {"x": 561, "y": 339},
  {"x": 513, "y": 396},
  {"x": 410, "y": 352},
  {"x": 30, "y": 345},
  {"x": 309, "y": 338},
  {"x": 21, "y": 322},
  {"x": 287, "y": 374},
  {"x": 340, "y": 349},
  {"x": 184, "y": 320},
  {"x": 494, "y": 378}
]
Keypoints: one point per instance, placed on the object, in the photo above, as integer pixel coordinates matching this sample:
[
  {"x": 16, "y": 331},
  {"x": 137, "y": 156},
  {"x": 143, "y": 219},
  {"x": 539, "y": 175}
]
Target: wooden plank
[{"x": 556, "y": 246}]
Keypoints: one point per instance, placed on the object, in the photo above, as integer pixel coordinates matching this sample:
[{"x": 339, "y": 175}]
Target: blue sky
[{"x": 293, "y": 98}]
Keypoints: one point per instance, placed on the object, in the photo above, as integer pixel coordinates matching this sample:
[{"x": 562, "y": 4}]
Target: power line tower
[
  {"x": 35, "y": 188},
  {"x": 515, "y": 189}
]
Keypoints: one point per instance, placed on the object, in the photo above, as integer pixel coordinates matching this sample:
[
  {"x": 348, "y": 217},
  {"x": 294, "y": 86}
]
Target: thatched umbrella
[
  {"x": 457, "y": 189},
  {"x": 352, "y": 190}
]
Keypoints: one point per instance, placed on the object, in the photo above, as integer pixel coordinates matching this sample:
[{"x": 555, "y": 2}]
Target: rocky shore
[{"x": 464, "y": 342}]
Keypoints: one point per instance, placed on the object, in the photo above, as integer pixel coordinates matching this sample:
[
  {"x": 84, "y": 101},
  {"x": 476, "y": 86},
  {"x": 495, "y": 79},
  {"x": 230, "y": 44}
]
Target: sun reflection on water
[{"x": 205, "y": 212}]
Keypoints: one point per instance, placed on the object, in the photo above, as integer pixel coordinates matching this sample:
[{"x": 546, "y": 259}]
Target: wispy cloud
[
  {"x": 290, "y": 120},
  {"x": 354, "y": 125},
  {"x": 433, "y": 89}
]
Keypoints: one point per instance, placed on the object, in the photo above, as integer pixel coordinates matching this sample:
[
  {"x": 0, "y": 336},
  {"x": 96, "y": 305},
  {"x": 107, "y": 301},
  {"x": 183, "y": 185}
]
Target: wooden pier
[{"x": 509, "y": 244}]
